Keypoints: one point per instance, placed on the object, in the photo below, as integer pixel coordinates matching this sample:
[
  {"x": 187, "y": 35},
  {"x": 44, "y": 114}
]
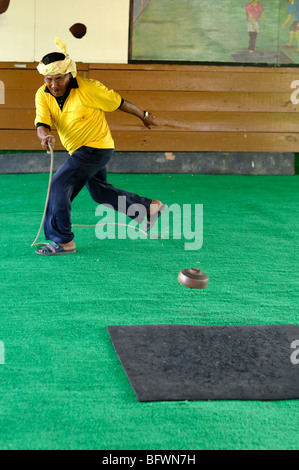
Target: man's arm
[
  {"x": 43, "y": 134},
  {"x": 130, "y": 108}
]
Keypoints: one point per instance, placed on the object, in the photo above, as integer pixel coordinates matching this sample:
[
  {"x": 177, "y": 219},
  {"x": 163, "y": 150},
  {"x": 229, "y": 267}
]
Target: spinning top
[
  {"x": 193, "y": 278},
  {"x": 4, "y": 4},
  {"x": 78, "y": 30}
]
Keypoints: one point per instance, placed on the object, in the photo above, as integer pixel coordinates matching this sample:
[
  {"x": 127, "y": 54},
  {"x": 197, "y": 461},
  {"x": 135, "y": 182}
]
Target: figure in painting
[
  {"x": 254, "y": 10},
  {"x": 293, "y": 14}
]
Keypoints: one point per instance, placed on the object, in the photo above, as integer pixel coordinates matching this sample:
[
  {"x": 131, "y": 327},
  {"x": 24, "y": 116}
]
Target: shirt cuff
[
  {"x": 44, "y": 125},
  {"x": 122, "y": 102}
]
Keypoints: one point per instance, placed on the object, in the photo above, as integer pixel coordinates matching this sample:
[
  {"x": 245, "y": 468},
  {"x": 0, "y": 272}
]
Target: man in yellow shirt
[{"x": 77, "y": 107}]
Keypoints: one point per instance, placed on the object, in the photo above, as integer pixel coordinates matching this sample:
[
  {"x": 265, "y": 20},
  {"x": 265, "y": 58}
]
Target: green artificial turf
[{"x": 62, "y": 386}]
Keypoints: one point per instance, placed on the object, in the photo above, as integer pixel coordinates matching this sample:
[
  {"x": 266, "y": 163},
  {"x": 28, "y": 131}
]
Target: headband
[{"x": 61, "y": 66}]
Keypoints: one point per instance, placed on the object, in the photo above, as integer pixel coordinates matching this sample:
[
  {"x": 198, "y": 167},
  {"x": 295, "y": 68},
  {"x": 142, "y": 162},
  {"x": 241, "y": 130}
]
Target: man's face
[{"x": 57, "y": 84}]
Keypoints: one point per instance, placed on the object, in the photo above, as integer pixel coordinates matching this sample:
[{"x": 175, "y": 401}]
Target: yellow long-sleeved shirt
[{"x": 82, "y": 119}]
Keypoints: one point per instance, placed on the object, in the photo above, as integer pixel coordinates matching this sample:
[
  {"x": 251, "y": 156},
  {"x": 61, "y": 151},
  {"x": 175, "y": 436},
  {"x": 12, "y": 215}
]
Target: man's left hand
[{"x": 149, "y": 121}]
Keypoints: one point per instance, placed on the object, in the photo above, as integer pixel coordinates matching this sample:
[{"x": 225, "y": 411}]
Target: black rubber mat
[{"x": 184, "y": 362}]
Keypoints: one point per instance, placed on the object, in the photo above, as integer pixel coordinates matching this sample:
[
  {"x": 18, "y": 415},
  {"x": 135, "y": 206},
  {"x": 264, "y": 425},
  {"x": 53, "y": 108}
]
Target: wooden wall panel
[
  {"x": 23, "y": 140},
  {"x": 145, "y": 140},
  {"x": 212, "y": 101},
  {"x": 209, "y": 122},
  {"x": 171, "y": 121},
  {"x": 16, "y": 118},
  {"x": 206, "y": 141},
  {"x": 198, "y": 108},
  {"x": 196, "y": 81}
]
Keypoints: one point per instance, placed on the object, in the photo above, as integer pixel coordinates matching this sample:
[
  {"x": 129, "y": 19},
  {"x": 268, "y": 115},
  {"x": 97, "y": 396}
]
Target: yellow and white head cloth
[{"x": 61, "y": 66}]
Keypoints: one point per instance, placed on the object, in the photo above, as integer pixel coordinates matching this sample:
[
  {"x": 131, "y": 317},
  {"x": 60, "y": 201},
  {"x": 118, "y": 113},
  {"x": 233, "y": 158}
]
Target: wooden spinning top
[
  {"x": 78, "y": 30},
  {"x": 193, "y": 278},
  {"x": 4, "y": 4}
]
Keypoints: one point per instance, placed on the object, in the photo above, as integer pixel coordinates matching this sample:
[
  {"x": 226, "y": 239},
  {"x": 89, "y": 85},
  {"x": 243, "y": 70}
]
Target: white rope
[
  {"x": 51, "y": 152},
  {"x": 122, "y": 225},
  {"x": 47, "y": 198}
]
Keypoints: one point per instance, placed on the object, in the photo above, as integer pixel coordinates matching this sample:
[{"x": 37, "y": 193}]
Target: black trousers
[
  {"x": 252, "y": 40},
  {"x": 85, "y": 167}
]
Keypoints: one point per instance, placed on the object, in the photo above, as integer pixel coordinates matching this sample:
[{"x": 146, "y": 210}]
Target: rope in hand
[
  {"x": 47, "y": 198},
  {"x": 51, "y": 152}
]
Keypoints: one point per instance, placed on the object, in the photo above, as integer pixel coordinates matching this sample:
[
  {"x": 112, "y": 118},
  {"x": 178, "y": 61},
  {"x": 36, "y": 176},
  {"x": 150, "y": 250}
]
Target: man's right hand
[{"x": 46, "y": 141}]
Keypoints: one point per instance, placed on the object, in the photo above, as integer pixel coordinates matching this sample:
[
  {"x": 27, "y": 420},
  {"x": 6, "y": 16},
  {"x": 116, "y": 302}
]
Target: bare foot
[
  {"x": 154, "y": 207},
  {"x": 68, "y": 246}
]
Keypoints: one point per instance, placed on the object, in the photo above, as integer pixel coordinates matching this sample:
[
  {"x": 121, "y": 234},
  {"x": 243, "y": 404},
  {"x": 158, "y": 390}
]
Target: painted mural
[{"x": 216, "y": 31}]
